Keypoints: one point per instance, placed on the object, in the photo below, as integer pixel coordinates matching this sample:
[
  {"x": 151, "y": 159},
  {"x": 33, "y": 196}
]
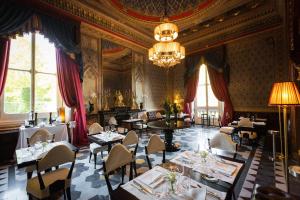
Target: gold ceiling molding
[
  {"x": 100, "y": 34},
  {"x": 101, "y": 21},
  {"x": 262, "y": 19}
]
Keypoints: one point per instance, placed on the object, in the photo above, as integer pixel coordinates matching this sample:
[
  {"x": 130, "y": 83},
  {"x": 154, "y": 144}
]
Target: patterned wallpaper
[
  {"x": 255, "y": 63},
  {"x": 155, "y": 86}
]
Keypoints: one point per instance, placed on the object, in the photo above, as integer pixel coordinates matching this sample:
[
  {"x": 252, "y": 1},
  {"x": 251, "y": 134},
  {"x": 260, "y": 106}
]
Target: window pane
[
  {"x": 45, "y": 93},
  {"x": 202, "y": 74},
  {"x": 20, "y": 53},
  {"x": 212, "y": 100},
  {"x": 201, "y": 96},
  {"x": 45, "y": 59},
  {"x": 17, "y": 93}
]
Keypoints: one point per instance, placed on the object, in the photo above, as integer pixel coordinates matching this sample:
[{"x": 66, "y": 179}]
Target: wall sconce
[{"x": 62, "y": 114}]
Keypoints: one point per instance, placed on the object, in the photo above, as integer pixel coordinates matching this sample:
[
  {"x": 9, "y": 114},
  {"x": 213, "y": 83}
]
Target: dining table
[
  {"x": 168, "y": 129},
  {"x": 131, "y": 122},
  {"x": 191, "y": 181},
  {"x": 106, "y": 138},
  {"x": 30, "y": 155}
]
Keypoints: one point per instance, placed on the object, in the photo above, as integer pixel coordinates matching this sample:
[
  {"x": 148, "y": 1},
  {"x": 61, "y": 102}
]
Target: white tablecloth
[{"x": 60, "y": 131}]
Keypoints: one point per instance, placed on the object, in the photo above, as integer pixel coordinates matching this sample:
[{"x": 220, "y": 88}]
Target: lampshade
[{"x": 284, "y": 93}]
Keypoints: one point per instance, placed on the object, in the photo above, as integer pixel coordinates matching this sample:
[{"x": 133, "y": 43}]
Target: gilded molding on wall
[
  {"x": 103, "y": 22},
  {"x": 98, "y": 33}
]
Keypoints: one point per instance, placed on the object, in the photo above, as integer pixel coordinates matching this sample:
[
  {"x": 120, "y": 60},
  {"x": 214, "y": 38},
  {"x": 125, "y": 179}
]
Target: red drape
[
  {"x": 220, "y": 90},
  {"x": 71, "y": 92},
  {"x": 4, "y": 57},
  {"x": 191, "y": 90}
]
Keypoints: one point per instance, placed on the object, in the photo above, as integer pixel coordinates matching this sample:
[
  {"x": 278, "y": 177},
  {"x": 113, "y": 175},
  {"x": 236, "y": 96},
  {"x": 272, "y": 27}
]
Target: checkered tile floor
[{"x": 88, "y": 183}]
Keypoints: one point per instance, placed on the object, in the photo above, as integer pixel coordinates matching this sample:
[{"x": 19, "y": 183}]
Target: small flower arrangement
[
  {"x": 171, "y": 177},
  {"x": 203, "y": 154}
]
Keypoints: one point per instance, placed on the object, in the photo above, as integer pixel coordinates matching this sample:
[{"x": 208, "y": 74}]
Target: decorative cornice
[
  {"x": 234, "y": 29},
  {"x": 96, "y": 19},
  {"x": 100, "y": 34}
]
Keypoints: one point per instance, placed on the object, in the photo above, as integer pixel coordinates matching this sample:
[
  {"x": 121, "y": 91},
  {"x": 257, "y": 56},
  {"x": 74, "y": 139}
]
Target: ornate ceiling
[
  {"x": 154, "y": 10},
  {"x": 202, "y": 23}
]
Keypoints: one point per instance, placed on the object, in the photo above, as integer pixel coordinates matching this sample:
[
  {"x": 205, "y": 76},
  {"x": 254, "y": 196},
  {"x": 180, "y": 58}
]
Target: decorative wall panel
[{"x": 255, "y": 63}]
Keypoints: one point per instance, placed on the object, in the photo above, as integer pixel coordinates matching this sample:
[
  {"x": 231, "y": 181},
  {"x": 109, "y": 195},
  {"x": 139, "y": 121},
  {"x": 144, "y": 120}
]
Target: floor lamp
[{"x": 284, "y": 94}]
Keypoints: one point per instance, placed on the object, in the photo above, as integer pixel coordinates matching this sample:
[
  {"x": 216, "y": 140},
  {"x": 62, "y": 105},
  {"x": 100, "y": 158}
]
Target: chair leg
[
  {"x": 90, "y": 157},
  {"x": 64, "y": 195},
  {"x": 149, "y": 163},
  {"x": 130, "y": 172},
  {"x": 102, "y": 154},
  {"x": 134, "y": 167},
  {"x": 29, "y": 175},
  {"x": 95, "y": 160},
  {"x": 123, "y": 172},
  {"x": 233, "y": 195},
  {"x": 69, "y": 193}
]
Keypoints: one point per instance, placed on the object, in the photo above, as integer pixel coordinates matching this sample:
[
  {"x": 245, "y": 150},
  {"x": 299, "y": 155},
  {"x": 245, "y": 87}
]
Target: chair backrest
[
  {"x": 131, "y": 138},
  {"x": 155, "y": 144},
  {"x": 95, "y": 128},
  {"x": 245, "y": 122},
  {"x": 158, "y": 115},
  {"x": 112, "y": 121},
  {"x": 144, "y": 117},
  {"x": 58, "y": 155},
  {"x": 224, "y": 142},
  {"x": 40, "y": 135},
  {"x": 117, "y": 157}
]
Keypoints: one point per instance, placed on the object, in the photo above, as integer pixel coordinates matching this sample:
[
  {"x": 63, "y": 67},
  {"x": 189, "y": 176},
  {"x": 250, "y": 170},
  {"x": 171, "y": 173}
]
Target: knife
[{"x": 142, "y": 187}]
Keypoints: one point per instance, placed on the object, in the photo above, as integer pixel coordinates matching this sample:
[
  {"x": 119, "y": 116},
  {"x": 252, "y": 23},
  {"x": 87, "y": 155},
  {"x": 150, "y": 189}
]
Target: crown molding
[{"x": 100, "y": 21}]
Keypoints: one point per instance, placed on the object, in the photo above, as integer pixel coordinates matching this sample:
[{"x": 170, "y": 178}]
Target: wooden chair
[
  {"x": 42, "y": 135},
  {"x": 155, "y": 145},
  {"x": 118, "y": 157},
  {"x": 96, "y": 128},
  {"x": 131, "y": 142},
  {"x": 223, "y": 142},
  {"x": 54, "y": 182}
]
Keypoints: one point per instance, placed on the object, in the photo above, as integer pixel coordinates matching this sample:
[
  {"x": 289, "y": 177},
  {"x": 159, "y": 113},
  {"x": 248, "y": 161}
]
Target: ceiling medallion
[{"x": 166, "y": 53}]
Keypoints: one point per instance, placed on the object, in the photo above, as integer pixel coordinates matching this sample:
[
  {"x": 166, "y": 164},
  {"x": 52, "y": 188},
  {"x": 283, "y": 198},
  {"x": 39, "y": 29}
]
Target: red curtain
[
  {"x": 4, "y": 57},
  {"x": 191, "y": 90},
  {"x": 71, "y": 92},
  {"x": 220, "y": 90}
]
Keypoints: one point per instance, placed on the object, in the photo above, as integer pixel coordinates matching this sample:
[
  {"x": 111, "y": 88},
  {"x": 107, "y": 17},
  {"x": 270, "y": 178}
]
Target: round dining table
[{"x": 168, "y": 129}]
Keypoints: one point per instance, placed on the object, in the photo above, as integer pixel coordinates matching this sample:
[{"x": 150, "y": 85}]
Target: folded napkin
[
  {"x": 224, "y": 168},
  {"x": 192, "y": 194},
  {"x": 151, "y": 179}
]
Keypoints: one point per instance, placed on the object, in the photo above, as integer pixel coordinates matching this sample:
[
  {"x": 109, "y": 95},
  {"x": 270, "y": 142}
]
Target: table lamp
[{"x": 284, "y": 94}]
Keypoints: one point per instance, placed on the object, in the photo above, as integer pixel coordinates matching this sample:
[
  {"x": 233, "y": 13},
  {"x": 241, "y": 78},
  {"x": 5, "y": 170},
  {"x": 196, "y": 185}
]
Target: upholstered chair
[
  {"x": 246, "y": 130},
  {"x": 155, "y": 145},
  {"x": 112, "y": 122},
  {"x": 42, "y": 135},
  {"x": 223, "y": 142},
  {"x": 131, "y": 142},
  {"x": 96, "y": 128},
  {"x": 44, "y": 186},
  {"x": 142, "y": 126},
  {"x": 158, "y": 115},
  {"x": 118, "y": 157}
]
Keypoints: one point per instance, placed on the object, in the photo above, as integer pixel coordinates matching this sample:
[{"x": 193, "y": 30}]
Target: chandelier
[{"x": 166, "y": 53}]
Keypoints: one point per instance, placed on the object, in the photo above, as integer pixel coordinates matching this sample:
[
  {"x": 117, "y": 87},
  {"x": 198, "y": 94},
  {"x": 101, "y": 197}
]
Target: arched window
[
  {"x": 31, "y": 83},
  {"x": 206, "y": 102}
]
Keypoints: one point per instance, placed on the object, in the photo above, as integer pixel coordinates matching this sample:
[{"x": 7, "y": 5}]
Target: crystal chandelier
[{"x": 166, "y": 53}]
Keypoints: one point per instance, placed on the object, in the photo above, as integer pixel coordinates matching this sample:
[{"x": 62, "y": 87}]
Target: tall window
[
  {"x": 31, "y": 82},
  {"x": 206, "y": 102}
]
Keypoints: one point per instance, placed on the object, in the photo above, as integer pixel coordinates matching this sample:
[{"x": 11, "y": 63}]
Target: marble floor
[{"x": 88, "y": 183}]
